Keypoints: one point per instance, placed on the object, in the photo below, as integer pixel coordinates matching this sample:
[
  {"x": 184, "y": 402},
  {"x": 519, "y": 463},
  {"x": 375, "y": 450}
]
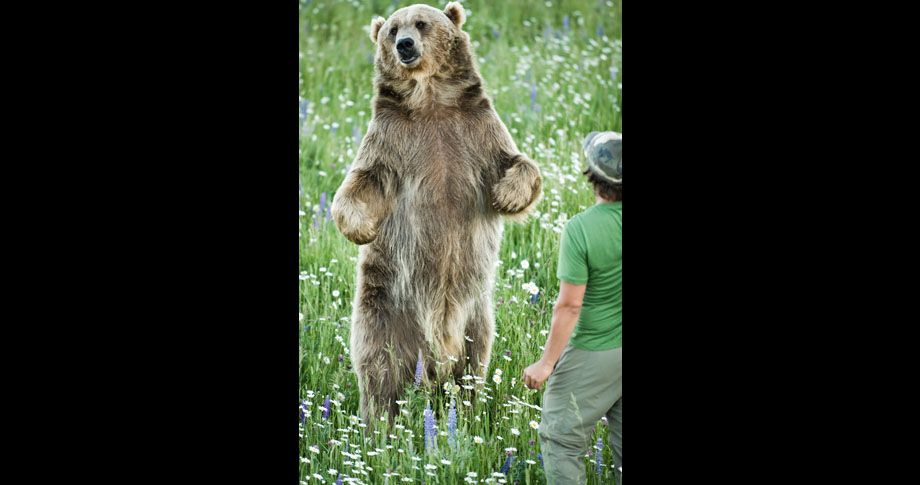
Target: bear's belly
[{"x": 442, "y": 264}]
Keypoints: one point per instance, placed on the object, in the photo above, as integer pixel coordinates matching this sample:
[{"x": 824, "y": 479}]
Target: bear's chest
[{"x": 441, "y": 169}]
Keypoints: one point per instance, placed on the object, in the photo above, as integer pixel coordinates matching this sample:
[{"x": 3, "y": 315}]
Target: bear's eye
[
  {"x": 393, "y": 31},
  {"x": 420, "y": 25}
]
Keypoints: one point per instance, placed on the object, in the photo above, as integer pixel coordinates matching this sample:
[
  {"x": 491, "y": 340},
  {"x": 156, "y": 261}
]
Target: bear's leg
[
  {"x": 383, "y": 376},
  {"x": 385, "y": 339},
  {"x": 481, "y": 329}
]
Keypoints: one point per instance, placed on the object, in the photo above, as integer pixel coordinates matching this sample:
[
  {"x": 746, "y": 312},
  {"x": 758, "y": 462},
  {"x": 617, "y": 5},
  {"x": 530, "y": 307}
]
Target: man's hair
[{"x": 605, "y": 189}]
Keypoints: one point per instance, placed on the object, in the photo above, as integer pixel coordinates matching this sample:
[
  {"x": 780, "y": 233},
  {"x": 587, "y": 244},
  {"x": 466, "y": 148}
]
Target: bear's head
[{"x": 420, "y": 41}]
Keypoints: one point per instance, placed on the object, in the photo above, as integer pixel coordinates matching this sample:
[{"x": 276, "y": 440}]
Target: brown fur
[{"x": 424, "y": 198}]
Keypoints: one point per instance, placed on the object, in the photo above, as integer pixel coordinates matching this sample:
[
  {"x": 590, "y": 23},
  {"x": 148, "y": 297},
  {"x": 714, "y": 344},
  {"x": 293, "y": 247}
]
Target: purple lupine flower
[
  {"x": 338, "y": 481},
  {"x": 507, "y": 465},
  {"x": 303, "y": 412},
  {"x": 598, "y": 456},
  {"x": 418, "y": 369},
  {"x": 600, "y": 30},
  {"x": 431, "y": 429},
  {"x": 533, "y": 94},
  {"x": 322, "y": 203},
  {"x": 329, "y": 212},
  {"x": 304, "y": 104},
  {"x": 315, "y": 221},
  {"x": 326, "y": 406},
  {"x": 540, "y": 457},
  {"x": 356, "y": 135},
  {"x": 452, "y": 425},
  {"x": 565, "y": 23}
]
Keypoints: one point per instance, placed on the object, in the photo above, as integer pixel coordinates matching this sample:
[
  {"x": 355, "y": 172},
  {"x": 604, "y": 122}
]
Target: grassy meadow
[{"x": 554, "y": 72}]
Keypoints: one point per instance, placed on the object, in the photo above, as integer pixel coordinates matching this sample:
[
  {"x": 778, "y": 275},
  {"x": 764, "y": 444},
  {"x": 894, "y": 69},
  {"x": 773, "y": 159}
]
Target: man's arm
[{"x": 565, "y": 316}]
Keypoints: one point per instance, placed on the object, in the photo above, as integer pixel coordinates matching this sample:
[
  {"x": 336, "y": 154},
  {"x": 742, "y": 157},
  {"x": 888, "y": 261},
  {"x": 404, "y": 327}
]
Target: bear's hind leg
[{"x": 480, "y": 328}]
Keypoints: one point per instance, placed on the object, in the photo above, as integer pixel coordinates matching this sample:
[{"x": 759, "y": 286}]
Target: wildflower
[
  {"x": 356, "y": 134},
  {"x": 335, "y": 293},
  {"x": 515, "y": 432},
  {"x": 524, "y": 263},
  {"x": 497, "y": 378},
  {"x": 333, "y": 471},
  {"x": 314, "y": 449},
  {"x": 531, "y": 288},
  {"x": 418, "y": 369},
  {"x": 338, "y": 480},
  {"x": 431, "y": 433},
  {"x": 530, "y": 462},
  {"x": 477, "y": 440},
  {"x": 430, "y": 466},
  {"x": 326, "y": 407},
  {"x": 534, "y": 424},
  {"x": 452, "y": 425},
  {"x": 507, "y": 465},
  {"x": 540, "y": 457},
  {"x": 598, "y": 456},
  {"x": 533, "y": 95}
]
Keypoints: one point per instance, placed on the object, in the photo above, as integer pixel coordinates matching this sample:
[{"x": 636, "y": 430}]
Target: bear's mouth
[{"x": 407, "y": 61}]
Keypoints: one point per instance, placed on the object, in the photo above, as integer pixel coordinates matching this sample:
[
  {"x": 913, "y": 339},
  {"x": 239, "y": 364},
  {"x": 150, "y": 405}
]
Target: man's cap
[{"x": 604, "y": 152}]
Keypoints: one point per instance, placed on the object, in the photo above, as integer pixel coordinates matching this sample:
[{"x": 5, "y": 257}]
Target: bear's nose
[{"x": 404, "y": 44}]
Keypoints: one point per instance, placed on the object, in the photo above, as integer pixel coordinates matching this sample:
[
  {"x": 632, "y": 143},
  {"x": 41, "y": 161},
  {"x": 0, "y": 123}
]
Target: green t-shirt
[{"x": 591, "y": 252}]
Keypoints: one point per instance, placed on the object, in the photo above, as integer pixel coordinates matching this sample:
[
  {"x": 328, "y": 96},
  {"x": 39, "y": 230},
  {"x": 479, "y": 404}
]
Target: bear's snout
[{"x": 406, "y": 49}]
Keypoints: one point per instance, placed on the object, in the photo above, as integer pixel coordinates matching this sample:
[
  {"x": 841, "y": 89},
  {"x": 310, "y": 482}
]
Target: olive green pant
[{"x": 584, "y": 387}]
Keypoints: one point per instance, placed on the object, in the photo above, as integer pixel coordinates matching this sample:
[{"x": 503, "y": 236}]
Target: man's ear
[
  {"x": 455, "y": 13},
  {"x": 376, "y": 23}
]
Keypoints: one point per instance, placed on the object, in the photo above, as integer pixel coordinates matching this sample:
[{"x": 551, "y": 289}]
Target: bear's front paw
[
  {"x": 353, "y": 222},
  {"x": 513, "y": 195},
  {"x": 362, "y": 234}
]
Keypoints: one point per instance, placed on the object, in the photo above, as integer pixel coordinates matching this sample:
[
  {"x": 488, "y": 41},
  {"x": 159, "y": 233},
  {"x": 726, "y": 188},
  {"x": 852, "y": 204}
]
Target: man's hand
[{"x": 537, "y": 374}]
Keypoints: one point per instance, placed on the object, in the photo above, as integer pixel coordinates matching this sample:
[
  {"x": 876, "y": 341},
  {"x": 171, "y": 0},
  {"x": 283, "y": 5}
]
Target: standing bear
[{"x": 424, "y": 199}]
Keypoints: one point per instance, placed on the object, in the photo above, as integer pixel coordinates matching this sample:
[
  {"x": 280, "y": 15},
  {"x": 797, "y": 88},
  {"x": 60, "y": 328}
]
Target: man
[{"x": 585, "y": 373}]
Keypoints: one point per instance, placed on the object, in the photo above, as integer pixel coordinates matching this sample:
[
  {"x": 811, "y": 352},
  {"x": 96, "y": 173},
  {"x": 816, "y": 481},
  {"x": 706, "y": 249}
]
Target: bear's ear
[
  {"x": 375, "y": 27},
  {"x": 455, "y": 13}
]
